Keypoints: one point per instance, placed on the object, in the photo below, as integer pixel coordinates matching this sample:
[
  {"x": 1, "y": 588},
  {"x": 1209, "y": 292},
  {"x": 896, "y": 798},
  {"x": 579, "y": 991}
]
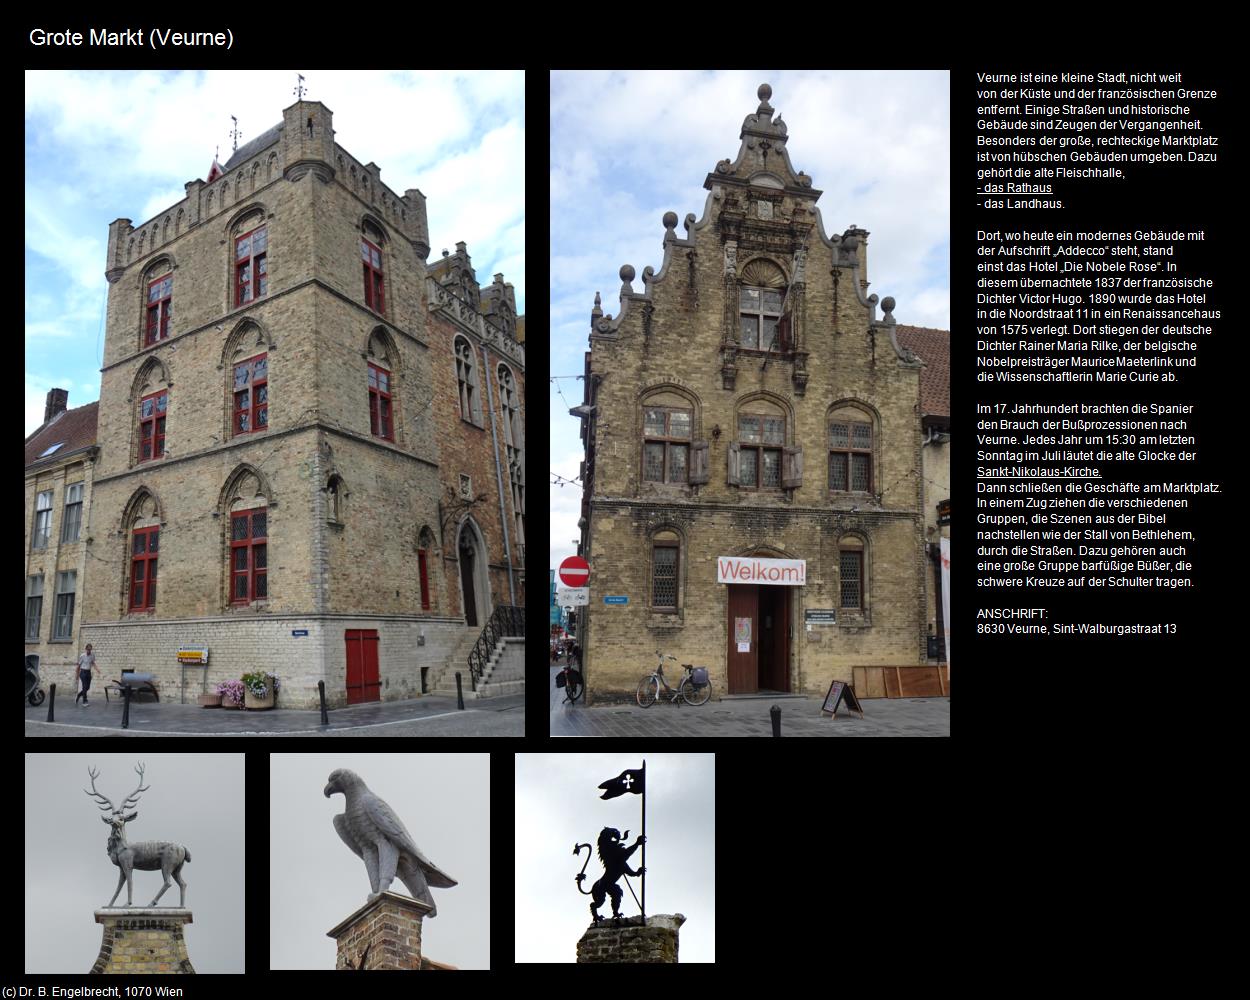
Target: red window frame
[
  {"x": 375, "y": 290},
  {"x": 144, "y": 545},
  {"x": 249, "y": 557},
  {"x": 425, "y": 580},
  {"x": 249, "y": 407},
  {"x": 152, "y": 425},
  {"x": 381, "y": 406},
  {"x": 251, "y": 267},
  {"x": 160, "y": 308}
]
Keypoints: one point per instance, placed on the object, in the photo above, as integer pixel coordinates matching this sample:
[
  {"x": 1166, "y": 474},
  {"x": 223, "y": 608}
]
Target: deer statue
[{"x": 148, "y": 856}]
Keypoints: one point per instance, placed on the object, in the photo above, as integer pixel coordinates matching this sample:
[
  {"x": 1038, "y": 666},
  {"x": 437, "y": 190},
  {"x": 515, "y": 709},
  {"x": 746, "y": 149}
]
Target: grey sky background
[
  {"x": 316, "y": 881},
  {"x": 193, "y": 799},
  {"x": 558, "y": 805}
]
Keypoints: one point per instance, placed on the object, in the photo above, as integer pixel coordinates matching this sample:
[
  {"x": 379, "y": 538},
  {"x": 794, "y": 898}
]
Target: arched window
[
  {"x": 514, "y": 446},
  {"x": 665, "y": 572},
  {"x": 159, "y": 308},
  {"x": 143, "y": 536},
  {"x": 852, "y": 589},
  {"x": 466, "y": 378},
  {"x": 851, "y": 449},
  {"x": 335, "y": 495},
  {"x": 150, "y": 391},
  {"x": 371, "y": 256},
  {"x": 250, "y": 381},
  {"x": 251, "y": 264},
  {"x": 425, "y": 543},
  {"x": 762, "y": 322},
  {"x": 245, "y": 502},
  {"x": 383, "y": 369},
  {"x": 670, "y": 423},
  {"x": 756, "y": 457}
]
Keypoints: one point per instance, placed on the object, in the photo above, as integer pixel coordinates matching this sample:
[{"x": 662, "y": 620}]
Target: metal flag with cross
[
  {"x": 613, "y": 851},
  {"x": 635, "y": 782}
]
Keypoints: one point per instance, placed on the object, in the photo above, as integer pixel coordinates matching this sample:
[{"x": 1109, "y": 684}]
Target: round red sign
[{"x": 574, "y": 572}]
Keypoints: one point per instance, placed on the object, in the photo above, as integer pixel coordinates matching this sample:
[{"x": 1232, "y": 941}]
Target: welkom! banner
[{"x": 748, "y": 569}]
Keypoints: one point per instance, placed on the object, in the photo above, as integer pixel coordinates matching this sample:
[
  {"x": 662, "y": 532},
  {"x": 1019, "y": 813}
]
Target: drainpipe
[{"x": 503, "y": 513}]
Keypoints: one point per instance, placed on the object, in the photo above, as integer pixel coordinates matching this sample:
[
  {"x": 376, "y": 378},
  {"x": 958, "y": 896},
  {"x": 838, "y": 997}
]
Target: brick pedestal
[
  {"x": 632, "y": 942},
  {"x": 139, "y": 940},
  {"x": 390, "y": 927}
]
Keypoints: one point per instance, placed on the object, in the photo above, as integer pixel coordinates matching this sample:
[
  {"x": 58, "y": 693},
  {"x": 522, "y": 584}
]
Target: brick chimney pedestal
[
  {"x": 143, "y": 939},
  {"x": 390, "y": 927},
  {"x": 632, "y": 942}
]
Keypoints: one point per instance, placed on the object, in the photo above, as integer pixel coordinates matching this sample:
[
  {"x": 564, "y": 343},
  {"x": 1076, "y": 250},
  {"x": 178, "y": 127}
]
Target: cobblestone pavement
[
  {"x": 750, "y": 717},
  {"x": 428, "y": 716}
]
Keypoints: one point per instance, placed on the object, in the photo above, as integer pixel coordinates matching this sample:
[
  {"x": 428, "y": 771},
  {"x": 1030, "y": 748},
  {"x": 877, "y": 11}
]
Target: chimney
[
  {"x": 58, "y": 399},
  {"x": 143, "y": 939},
  {"x": 631, "y": 941},
  {"x": 389, "y": 930}
]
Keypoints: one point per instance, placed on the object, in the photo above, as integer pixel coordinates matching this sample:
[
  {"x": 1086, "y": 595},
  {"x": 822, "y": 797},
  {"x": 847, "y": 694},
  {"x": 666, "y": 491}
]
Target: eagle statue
[{"x": 375, "y": 834}]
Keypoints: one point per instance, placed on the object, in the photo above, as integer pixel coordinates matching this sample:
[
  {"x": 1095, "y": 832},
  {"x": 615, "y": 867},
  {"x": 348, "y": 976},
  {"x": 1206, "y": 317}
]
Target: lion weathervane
[
  {"x": 147, "y": 855},
  {"x": 614, "y": 855}
]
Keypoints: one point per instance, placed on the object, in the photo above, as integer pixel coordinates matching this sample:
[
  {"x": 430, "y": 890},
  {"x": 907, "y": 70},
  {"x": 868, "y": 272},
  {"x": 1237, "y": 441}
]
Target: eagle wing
[
  {"x": 388, "y": 824},
  {"x": 340, "y": 827}
]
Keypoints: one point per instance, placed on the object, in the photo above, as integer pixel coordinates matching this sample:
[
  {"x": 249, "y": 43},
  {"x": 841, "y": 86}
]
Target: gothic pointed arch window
[
  {"x": 383, "y": 375},
  {"x": 372, "y": 241},
  {"x": 763, "y": 324},
  {"x": 250, "y": 257},
  {"x": 246, "y": 499},
  {"x": 142, "y": 519},
  {"x": 425, "y": 546},
  {"x": 514, "y": 447},
  {"x": 158, "y": 284},
  {"x": 466, "y": 380},
  {"x": 150, "y": 393}
]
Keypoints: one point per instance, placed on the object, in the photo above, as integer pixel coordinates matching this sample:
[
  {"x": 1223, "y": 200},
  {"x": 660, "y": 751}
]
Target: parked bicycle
[
  {"x": 570, "y": 680},
  {"x": 694, "y": 688}
]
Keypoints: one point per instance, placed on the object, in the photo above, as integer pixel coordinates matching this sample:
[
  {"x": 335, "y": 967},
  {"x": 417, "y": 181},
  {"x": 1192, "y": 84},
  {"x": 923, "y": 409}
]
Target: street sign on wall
[
  {"x": 575, "y": 572},
  {"x": 573, "y": 597}
]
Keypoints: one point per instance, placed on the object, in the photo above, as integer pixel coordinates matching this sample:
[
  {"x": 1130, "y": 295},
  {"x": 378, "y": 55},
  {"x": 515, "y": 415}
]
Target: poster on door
[{"x": 742, "y": 634}]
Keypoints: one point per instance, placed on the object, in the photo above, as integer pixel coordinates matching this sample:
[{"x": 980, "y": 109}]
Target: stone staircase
[
  {"x": 505, "y": 672},
  {"x": 441, "y": 679}
]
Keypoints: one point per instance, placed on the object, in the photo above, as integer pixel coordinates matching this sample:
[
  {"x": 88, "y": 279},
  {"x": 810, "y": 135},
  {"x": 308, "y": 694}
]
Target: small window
[
  {"x": 248, "y": 557},
  {"x": 251, "y": 267},
  {"x": 34, "y": 606},
  {"x": 380, "y": 416},
  {"x": 466, "y": 377},
  {"x": 760, "y": 439},
  {"x": 423, "y": 570},
  {"x": 160, "y": 309},
  {"x": 666, "y": 445},
  {"x": 143, "y": 551},
  {"x": 850, "y": 455},
  {"x": 71, "y": 523},
  {"x": 664, "y": 559},
  {"x": 251, "y": 395},
  {"x": 851, "y": 573},
  {"x": 152, "y": 411},
  {"x": 375, "y": 292},
  {"x": 43, "y": 520},
  {"x": 63, "y": 621}
]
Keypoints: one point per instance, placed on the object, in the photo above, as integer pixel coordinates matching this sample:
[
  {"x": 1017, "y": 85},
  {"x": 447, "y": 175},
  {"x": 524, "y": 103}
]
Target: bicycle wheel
[
  {"x": 692, "y": 695},
  {"x": 648, "y": 691},
  {"x": 574, "y": 687}
]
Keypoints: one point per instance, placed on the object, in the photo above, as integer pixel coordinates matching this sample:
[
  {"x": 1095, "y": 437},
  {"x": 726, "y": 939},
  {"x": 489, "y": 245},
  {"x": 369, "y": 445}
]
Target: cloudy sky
[
  {"x": 444, "y": 801},
  {"x": 558, "y": 805},
  {"x": 108, "y": 145},
  {"x": 68, "y": 874},
  {"x": 626, "y": 147}
]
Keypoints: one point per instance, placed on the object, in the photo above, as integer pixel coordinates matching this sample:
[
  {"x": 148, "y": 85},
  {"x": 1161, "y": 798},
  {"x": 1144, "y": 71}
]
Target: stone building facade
[
  {"x": 61, "y": 458},
  {"x": 270, "y": 482},
  {"x": 753, "y": 437}
]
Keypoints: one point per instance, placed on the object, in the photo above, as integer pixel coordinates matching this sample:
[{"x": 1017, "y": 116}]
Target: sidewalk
[
  {"x": 430, "y": 715},
  {"x": 750, "y": 717}
]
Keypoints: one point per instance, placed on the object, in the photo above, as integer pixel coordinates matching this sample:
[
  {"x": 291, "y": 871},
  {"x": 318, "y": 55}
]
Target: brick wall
[
  {"x": 654, "y": 943},
  {"x": 389, "y": 927},
  {"x": 143, "y": 943}
]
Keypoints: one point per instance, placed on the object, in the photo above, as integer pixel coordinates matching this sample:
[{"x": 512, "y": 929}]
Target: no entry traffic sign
[{"x": 574, "y": 572}]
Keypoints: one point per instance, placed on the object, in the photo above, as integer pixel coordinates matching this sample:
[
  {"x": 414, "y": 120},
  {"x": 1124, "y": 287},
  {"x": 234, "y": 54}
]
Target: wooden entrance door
[
  {"x": 468, "y": 556},
  {"x": 774, "y": 654},
  {"x": 743, "y": 662},
  {"x": 363, "y": 683}
]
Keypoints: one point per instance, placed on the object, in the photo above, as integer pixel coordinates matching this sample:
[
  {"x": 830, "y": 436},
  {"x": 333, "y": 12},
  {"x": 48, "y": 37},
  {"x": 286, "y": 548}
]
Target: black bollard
[
  {"x": 126, "y": 707},
  {"x": 321, "y": 693},
  {"x": 459, "y": 693},
  {"x": 775, "y": 712},
  {"x": 51, "y": 699}
]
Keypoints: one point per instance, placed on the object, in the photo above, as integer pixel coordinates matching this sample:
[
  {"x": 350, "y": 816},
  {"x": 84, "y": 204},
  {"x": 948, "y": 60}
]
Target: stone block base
[
  {"x": 140, "y": 940},
  {"x": 632, "y": 942},
  {"x": 389, "y": 927}
]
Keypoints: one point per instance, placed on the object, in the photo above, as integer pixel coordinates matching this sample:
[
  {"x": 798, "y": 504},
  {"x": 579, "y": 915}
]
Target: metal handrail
[{"x": 505, "y": 620}]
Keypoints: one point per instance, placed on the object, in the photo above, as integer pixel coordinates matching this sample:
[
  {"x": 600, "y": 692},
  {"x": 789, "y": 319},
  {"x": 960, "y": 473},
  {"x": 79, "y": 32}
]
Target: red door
[
  {"x": 362, "y": 666},
  {"x": 743, "y": 656}
]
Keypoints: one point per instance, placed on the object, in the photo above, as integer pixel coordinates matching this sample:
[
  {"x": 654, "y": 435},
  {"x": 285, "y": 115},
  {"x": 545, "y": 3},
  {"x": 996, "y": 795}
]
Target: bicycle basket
[{"x": 699, "y": 677}]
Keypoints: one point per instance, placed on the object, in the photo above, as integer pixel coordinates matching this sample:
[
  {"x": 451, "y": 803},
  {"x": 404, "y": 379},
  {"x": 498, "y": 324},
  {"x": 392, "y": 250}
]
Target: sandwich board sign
[{"x": 841, "y": 693}]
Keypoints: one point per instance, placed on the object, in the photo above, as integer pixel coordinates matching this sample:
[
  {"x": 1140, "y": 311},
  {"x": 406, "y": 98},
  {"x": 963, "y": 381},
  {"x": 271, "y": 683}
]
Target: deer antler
[
  {"x": 108, "y": 805},
  {"x": 132, "y": 799}
]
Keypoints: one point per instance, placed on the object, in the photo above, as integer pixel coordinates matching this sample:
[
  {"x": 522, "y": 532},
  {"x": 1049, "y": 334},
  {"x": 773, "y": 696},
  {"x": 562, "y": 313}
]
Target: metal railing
[{"x": 506, "y": 620}]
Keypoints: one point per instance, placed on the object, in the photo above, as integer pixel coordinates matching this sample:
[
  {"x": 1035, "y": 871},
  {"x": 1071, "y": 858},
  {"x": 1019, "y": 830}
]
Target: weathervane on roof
[
  {"x": 299, "y": 87},
  {"x": 234, "y": 135}
]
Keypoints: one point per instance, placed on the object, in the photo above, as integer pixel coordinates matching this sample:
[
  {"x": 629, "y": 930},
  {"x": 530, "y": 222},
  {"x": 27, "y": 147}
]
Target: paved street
[
  {"x": 428, "y": 716},
  {"x": 750, "y": 717}
]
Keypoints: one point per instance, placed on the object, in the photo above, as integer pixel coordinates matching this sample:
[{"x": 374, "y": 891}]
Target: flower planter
[
  {"x": 227, "y": 703},
  {"x": 210, "y": 701},
  {"x": 251, "y": 701}
]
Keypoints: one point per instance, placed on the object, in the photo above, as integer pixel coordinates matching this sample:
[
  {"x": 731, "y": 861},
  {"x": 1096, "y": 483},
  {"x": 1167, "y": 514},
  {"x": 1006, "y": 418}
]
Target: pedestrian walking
[{"x": 86, "y": 664}]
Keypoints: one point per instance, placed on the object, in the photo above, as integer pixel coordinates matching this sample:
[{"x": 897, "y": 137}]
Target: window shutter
[
  {"x": 698, "y": 463},
  {"x": 783, "y": 333},
  {"x": 732, "y": 471},
  {"x": 792, "y": 467}
]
